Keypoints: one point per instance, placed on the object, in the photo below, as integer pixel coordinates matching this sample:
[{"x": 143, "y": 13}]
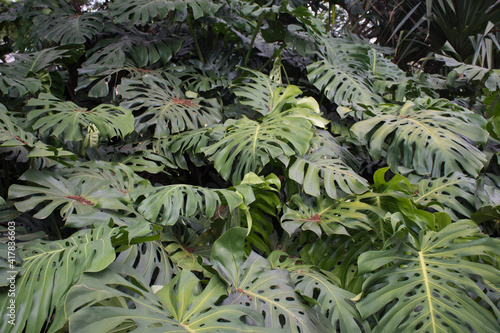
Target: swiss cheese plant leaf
[
  {"x": 165, "y": 204},
  {"x": 49, "y": 269},
  {"x": 34, "y": 64},
  {"x": 255, "y": 284},
  {"x": 159, "y": 104},
  {"x": 64, "y": 28},
  {"x": 151, "y": 260},
  {"x": 453, "y": 194},
  {"x": 71, "y": 122},
  {"x": 143, "y": 11},
  {"x": 272, "y": 293},
  {"x": 322, "y": 288},
  {"x": 342, "y": 73},
  {"x": 249, "y": 145},
  {"x": 432, "y": 137},
  {"x": 72, "y": 196},
  {"x": 424, "y": 284},
  {"x": 106, "y": 301}
]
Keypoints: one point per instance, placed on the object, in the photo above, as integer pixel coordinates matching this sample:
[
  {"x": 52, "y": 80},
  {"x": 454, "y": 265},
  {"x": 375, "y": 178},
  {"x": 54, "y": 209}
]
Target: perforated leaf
[
  {"x": 424, "y": 283},
  {"x": 318, "y": 170},
  {"x": 342, "y": 73},
  {"x": 49, "y": 269},
  {"x": 272, "y": 293},
  {"x": 321, "y": 287},
  {"x": 256, "y": 91},
  {"x": 455, "y": 192}
]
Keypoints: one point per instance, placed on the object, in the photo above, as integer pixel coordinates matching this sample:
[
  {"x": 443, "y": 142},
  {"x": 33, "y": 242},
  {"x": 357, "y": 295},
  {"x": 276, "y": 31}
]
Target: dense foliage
[{"x": 235, "y": 166}]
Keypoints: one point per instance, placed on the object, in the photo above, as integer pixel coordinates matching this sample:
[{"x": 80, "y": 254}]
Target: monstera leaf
[
  {"x": 34, "y": 64},
  {"x": 433, "y": 137},
  {"x": 341, "y": 74},
  {"x": 76, "y": 196},
  {"x": 319, "y": 169},
  {"x": 249, "y": 145},
  {"x": 64, "y": 28},
  {"x": 332, "y": 217},
  {"x": 166, "y": 204},
  {"x": 256, "y": 90},
  {"x": 164, "y": 107},
  {"x": 131, "y": 48},
  {"x": 424, "y": 283},
  {"x": 143, "y": 11},
  {"x": 106, "y": 301},
  {"x": 453, "y": 194},
  {"x": 256, "y": 285},
  {"x": 49, "y": 269},
  {"x": 151, "y": 260},
  {"x": 334, "y": 302},
  {"x": 70, "y": 121}
]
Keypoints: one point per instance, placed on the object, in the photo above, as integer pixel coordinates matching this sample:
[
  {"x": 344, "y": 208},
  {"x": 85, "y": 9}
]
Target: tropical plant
[{"x": 231, "y": 166}]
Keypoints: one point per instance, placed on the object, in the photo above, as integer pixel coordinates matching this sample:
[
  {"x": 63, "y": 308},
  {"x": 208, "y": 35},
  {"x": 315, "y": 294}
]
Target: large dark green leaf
[
  {"x": 143, "y": 11},
  {"x": 335, "y": 303},
  {"x": 70, "y": 121},
  {"x": 342, "y": 73},
  {"x": 72, "y": 28},
  {"x": 163, "y": 106},
  {"x": 424, "y": 283}
]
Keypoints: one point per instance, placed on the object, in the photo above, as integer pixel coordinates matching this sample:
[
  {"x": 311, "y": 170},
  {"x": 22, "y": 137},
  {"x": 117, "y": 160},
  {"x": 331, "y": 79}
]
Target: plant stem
[
  {"x": 257, "y": 28},
  {"x": 192, "y": 32}
]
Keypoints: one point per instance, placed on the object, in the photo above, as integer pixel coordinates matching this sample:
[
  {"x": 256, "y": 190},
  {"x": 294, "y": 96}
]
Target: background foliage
[{"x": 228, "y": 166}]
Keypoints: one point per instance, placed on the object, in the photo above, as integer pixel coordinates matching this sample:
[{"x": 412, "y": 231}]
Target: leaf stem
[
  {"x": 193, "y": 34},
  {"x": 257, "y": 28}
]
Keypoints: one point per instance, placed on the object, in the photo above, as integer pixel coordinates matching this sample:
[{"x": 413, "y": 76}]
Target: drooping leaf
[
  {"x": 66, "y": 29},
  {"x": 75, "y": 196},
  {"x": 319, "y": 170},
  {"x": 423, "y": 284},
  {"x": 433, "y": 137},
  {"x": 256, "y": 90},
  {"x": 342, "y": 73},
  {"x": 49, "y": 269},
  {"x": 166, "y": 204}
]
